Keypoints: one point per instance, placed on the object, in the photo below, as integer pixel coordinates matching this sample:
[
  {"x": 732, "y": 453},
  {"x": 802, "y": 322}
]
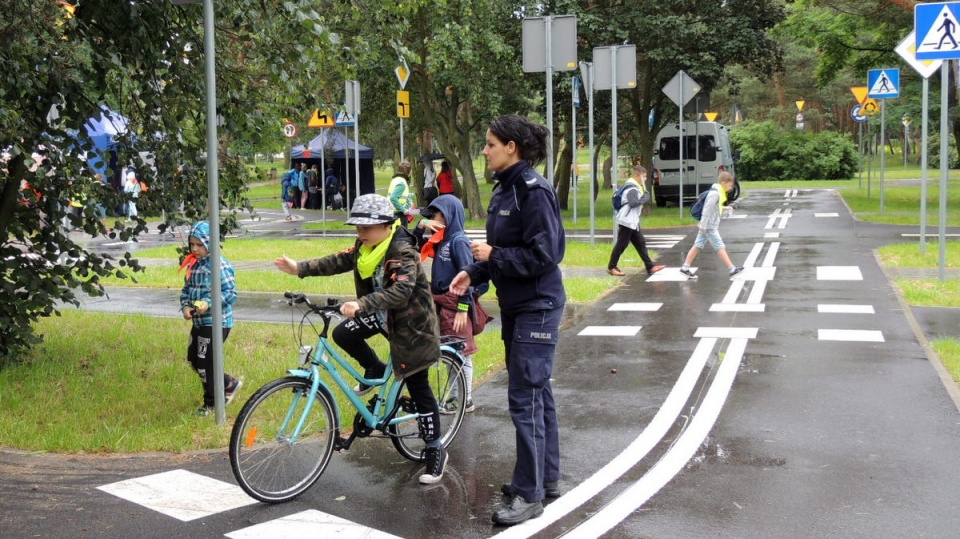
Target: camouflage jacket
[{"x": 412, "y": 327}]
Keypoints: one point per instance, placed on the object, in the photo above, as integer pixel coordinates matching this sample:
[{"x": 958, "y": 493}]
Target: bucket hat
[{"x": 371, "y": 210}]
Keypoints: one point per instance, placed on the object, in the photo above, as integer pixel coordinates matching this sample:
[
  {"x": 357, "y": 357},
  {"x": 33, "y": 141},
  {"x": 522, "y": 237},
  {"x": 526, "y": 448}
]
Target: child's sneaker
[
  {"x": 470, "y": 407},
  {"x": 231, "y": 391},
  {"x": 450, "y": 407},
  {"x": 735, "y": 270},
  {"x": 436, "y": 458},
  {"x": 203, "y": 411},
  {"x": 688, "y": 273}
]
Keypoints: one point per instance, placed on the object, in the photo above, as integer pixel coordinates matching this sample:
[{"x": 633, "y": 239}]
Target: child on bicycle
[
  {"x": 195, "y": 298},
  {"x": 394, "y": 300},
  {"x": 449, "y": 247}
]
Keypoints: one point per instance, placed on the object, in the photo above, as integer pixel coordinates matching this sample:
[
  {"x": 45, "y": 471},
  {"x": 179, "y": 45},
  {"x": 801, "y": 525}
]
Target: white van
[{"x": 706, "y": 153}]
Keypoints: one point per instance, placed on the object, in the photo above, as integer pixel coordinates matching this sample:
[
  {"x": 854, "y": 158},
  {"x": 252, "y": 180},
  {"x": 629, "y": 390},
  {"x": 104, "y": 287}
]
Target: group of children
[
  {"x": 391, "y": 286},
  {"x": 396, "y": 299}
]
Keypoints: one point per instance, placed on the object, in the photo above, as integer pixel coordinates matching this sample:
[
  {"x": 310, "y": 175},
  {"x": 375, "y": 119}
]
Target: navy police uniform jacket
[{"x": 525, "y": 229}]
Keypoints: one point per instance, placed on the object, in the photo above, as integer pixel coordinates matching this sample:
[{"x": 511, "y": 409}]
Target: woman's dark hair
[
  {"x": 445, "y": 166},
  {"x": 530, "y": 138}
]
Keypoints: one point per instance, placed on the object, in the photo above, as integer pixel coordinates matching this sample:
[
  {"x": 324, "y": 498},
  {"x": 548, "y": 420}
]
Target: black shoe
[
  {"x": 688, "y": 273},
  {"x": 736, "y": 270},
  {"x": 436, "y": 462},
  {"x": 518, "y": 511},
  {"x": 550, "y": 490}
]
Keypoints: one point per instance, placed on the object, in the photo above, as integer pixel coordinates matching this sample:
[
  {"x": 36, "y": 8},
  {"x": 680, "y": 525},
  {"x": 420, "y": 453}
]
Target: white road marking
[
  {"x": 180, "y": 494},
  {"x": 844, "y": 309},
  {"x": 676, "y": 458},
  {"x": 647, "y": 307},
  {"x": 839, "y": 273},
  {"x": 669, "y": 274},
  {"x": 609, "y": 331},
  {"x": 832, "y": 214},
  {"x": 310, "y": 523},
  {"x": 662, "y": 422},
  {"x": 726, "y": 333},
  {"x": 850, "y": 335}
]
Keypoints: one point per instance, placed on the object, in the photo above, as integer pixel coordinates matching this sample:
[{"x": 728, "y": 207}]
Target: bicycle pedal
[{"x": 407, "y": 405}]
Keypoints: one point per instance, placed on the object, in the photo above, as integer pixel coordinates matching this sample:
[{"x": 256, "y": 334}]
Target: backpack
[
  {"x": 697, "y": 209},
  {"x": 618, "y": 196}
]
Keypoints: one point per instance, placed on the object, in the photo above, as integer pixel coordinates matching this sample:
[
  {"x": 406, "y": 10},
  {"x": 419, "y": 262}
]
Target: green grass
[
  {"x": 949, "y": 352},
  {"x": 930, "y": 292},
  {"x": 907, "y": 255},
  {"x": 92, "y": 388}
]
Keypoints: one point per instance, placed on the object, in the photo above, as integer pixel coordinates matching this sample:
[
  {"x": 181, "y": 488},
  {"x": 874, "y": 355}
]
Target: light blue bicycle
[{"x": 285, "y": 434}]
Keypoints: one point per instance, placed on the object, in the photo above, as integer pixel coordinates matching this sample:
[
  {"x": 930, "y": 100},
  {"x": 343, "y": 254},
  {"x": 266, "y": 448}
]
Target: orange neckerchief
[
  {"x": 188, "y": 262},
  {"x": 428, "y": 248}
]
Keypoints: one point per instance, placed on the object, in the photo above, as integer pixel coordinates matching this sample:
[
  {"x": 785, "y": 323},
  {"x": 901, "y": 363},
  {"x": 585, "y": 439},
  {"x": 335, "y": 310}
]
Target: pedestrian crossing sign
[
  {"x": 938, "y": 30},
  {"x": 883, "y": 83}
]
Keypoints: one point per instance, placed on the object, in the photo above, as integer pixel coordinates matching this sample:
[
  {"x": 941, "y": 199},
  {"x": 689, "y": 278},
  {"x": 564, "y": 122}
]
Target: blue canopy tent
[
  {"x": 339, "y": 153},
  {"x": 103, "y": 130}
]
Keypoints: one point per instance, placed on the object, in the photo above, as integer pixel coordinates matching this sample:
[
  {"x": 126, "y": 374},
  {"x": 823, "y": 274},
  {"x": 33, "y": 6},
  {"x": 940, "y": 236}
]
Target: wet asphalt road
[{"x": 768, "y": 431}]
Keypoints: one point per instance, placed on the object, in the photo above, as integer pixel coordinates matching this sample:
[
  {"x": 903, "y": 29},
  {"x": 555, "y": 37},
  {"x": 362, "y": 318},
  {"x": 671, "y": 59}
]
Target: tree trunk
[{"x": 564, "y": 166}]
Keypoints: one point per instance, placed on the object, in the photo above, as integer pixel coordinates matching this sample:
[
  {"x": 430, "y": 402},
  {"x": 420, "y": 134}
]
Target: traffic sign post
[
  {"x": 549, "y": 43},
  {"x": 321, "y": 119},
  {"x": 616, "y": 67},
  {"x": 403, "y": 98},
  {"x": 681, "y": 90},
  {"x": 907, "y": 50},
  {"x": 883, "y": 84},
  {"x": 289, "y": 130}
]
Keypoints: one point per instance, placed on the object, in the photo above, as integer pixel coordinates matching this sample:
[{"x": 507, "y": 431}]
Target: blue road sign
[
  {"x": 938, "y": 31},
  {"x": 855, "y": 114},
  {"x": 883, "y": 83},
  {"x": 576, "y": 92}
]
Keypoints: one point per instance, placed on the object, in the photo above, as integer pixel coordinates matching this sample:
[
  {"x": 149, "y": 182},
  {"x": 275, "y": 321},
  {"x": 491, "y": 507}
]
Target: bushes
[{"x": 771, "y": 152}]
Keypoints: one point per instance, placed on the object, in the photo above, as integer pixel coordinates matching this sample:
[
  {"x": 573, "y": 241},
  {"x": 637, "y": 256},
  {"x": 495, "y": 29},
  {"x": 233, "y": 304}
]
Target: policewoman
[{"x": 525, "y": 244}]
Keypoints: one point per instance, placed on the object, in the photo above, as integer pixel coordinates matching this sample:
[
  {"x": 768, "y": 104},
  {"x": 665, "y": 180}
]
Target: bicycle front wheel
[
  {"x": 277, "y": 451},
  {"x": 446, "y": 379}
]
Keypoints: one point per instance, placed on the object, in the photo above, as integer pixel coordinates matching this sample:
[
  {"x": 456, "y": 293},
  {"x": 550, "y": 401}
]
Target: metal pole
[
  {"x": 860, "y": 143},
  {"x": 213, "y": 200},
  {"x": 322, "y": 181},
  {"x": 883, "y": 141},
  {"x": 613, "y": 116},
  {"x": 401, "y": 139},
  {"x": 356, "y": 132},
  {"x": 593, "y": 169},
  {"x": 573, "y": 147},
  {"x": 346, "y": 171},
  {"x": 680, "y": 195},
  {"x": 944, "y": 164},
  {"x": 923, "y": 166},
  {"x": 549, "y": 69}
]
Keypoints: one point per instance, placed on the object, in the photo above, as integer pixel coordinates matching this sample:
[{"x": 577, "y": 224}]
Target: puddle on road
[{"x": 732, "y": 452}]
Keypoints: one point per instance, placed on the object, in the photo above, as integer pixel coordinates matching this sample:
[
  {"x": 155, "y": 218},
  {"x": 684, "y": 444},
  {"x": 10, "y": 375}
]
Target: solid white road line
[
  {"x": 609, "y": 331},
  {"x": 676, "y": 458},
  {"x": 839, "y": 273},
  {"x": 645, "y": 307},
  {"x": 662, "y": 422}
]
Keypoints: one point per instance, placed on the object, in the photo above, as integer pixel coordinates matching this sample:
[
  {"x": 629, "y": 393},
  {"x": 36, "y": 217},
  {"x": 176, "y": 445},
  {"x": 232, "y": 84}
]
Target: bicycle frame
[{"x": 385, "y": 403}]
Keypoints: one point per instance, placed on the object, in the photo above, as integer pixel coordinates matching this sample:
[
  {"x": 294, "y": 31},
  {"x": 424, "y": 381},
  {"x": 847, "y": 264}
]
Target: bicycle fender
[{"x": 299, "y": 373}]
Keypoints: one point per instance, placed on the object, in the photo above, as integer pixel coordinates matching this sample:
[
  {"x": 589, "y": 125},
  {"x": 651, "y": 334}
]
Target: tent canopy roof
[{"x": 334, "y": 142}]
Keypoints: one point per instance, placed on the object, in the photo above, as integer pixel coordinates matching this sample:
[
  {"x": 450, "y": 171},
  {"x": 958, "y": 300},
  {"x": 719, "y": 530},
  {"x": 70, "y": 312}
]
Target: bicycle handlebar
[{"x": 297, "y": 298}]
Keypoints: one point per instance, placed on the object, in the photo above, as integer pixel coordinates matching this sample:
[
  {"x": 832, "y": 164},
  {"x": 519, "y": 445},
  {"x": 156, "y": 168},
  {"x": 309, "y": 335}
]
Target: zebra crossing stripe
[
  {"x": 310, "y": 523},
  {"x": 180, "y": 494}
]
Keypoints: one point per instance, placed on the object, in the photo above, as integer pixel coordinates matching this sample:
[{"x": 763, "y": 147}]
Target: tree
[{"x": 143, "y": 60}]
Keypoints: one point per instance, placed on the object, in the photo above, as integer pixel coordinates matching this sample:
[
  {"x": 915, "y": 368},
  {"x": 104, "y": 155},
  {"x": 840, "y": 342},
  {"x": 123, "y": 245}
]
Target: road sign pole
[
  {"x": 923, "y": 166},
  {"x": 548, "y": 20},
  {"x": 613, "y": 118},
  {"x": 860, "y": 144},
  {"x": 573, "y": 147},
  {"x": 401, "y": 139},
  {"x": 944, "y": 163},
  {"x": 883, "y": 151},
  {"x": 586, "y": 69},
  {"x": 680, "y": 195}
]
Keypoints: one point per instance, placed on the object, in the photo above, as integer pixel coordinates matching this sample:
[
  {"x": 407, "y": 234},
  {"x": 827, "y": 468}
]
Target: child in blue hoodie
[
  {"x": 450, "y": 249},
  {"x": 195, "y": 298}
]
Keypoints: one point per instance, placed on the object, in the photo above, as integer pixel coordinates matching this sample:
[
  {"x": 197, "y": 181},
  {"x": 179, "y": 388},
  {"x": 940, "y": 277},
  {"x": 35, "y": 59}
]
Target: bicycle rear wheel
[
  {"x": 446, "y": 379},
  {"x": 270, "y": 461}
]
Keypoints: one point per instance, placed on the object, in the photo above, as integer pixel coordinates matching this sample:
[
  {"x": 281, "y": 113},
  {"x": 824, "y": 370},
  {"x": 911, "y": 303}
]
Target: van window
[{"x": 670, "y": 148}]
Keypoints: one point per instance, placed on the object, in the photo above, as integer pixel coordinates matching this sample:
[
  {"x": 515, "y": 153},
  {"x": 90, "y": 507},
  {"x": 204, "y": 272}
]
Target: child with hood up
[
  {"x": 450, "y": 249},
  {"x": 195, "y": 299}
]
